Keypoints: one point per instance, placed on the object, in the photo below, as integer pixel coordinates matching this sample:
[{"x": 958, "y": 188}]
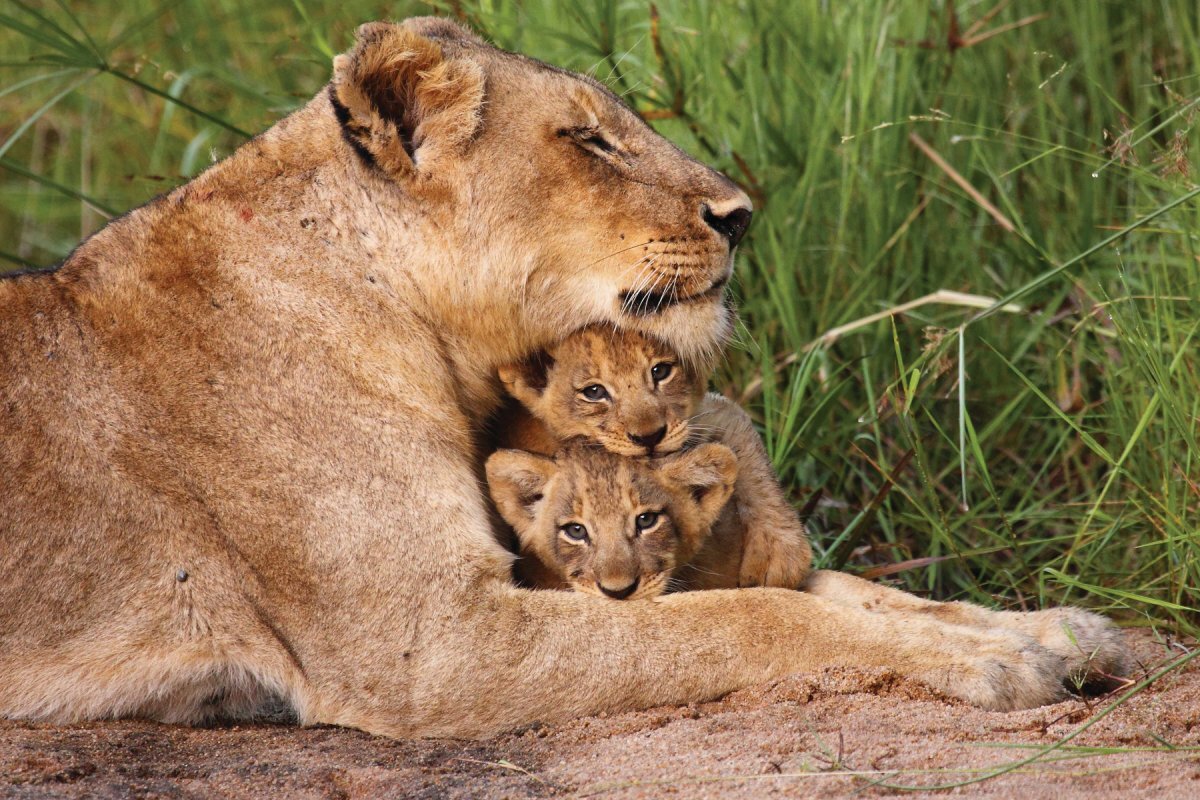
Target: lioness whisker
[
  {"x": 647, "y": 293},
  {"x": 635, "y": 294},
  {"x": 639, "y": 265},
  {"x": 617, "y": 253},
  {"x": 651, "y": 273},
  {"x": 668, "y": 292},
  {"x": 646, "y": 271}
]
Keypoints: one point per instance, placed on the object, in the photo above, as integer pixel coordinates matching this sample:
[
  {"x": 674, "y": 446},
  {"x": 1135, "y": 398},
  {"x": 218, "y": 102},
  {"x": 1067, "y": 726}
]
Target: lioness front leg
[
  {"x": 776, "y": 551},
  {"x": 1090, "y": 645},
  {"x": 523, "y": 656}
]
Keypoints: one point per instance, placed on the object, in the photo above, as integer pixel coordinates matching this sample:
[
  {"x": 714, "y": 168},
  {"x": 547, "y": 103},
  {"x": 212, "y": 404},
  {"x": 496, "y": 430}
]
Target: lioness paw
[
  {"x": 1092, "y": 648},
  {"x": 1001, "y": 671}
]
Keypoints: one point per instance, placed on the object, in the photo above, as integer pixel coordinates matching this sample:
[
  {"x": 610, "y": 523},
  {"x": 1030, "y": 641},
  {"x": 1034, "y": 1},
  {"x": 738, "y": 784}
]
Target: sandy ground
[{"x": 831, "y": 733}]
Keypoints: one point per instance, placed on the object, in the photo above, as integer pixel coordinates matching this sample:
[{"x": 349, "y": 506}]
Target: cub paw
[
  {"x": 1092, "y": 648},
  {"x": 774, "y": 562}
]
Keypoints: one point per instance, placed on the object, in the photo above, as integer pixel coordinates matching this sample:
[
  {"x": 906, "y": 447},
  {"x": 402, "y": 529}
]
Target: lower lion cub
[
  {"x": 631, "y": 395},
  {"x": 623, "y": 528}
]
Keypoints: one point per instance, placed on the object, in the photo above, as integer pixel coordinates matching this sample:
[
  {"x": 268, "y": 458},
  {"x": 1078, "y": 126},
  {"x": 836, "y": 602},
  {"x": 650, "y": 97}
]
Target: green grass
[{"x": 1043, "y": 454}]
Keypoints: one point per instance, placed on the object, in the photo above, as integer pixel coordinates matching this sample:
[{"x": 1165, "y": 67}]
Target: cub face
[
  {"x": 612, "y": 526},
  {"x": 621, "y": 389}
]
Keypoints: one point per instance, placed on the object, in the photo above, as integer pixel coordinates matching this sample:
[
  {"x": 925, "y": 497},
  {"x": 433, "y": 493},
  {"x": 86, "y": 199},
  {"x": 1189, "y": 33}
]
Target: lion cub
[
  {"x": 617, "y": 527},
  {"x": 633, "y": 396}
]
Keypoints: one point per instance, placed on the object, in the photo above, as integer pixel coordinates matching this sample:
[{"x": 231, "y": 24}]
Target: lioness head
[
  {"x": 563, "y": 208},
  {"x": 624, "y": 390},
  {"x": 611, "y": 526}
]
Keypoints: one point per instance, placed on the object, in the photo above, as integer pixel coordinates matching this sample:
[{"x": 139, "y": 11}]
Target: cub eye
[
  {"x": 661, "y": 371},
  {"x": 646, "y": 520},
  {"x": 594, "y": 393},
  {"x": 575, "y": 532}
]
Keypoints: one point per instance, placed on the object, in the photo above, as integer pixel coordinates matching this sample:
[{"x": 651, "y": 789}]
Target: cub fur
[
  {"x": 632, "y": 394},
  {"x": 618, "y": 527}
]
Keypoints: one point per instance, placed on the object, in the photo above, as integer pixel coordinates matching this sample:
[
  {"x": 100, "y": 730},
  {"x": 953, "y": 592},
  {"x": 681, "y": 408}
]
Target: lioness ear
[
  {"x": 707, "y": 472},
  {"x": 401, "y": 102},
  {"x": 517, "y": 481},
  {"x": 527, "y": 380}
]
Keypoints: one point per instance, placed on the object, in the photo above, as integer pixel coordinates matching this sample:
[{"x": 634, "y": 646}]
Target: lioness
[
  {"x": 619, "y": 527},
  {"x": 634, "y": 396},
  {"x": 236, "y": 425}
]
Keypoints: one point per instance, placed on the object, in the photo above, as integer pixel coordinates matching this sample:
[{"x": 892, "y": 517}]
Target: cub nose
[
  {"x": 649, "y": 440},
  {"x": 729, "y": 222},
  {"x": 618, "y": 594}
]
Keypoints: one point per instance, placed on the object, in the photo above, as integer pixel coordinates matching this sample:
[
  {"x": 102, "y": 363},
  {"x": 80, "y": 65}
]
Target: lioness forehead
[
  {"x": 455, "y": 40},
  {"x": 521, "y": 62},
  {"x": 524, "y": 90}
]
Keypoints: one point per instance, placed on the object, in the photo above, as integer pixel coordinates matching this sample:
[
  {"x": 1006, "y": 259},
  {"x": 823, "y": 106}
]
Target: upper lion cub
[
  {"x": 627, "y": 392},
  {"x": 631, "y": 394}
]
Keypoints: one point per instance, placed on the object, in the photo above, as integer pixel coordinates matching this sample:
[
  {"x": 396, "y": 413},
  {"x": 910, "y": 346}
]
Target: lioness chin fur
[{"x": 236, "y": 450}]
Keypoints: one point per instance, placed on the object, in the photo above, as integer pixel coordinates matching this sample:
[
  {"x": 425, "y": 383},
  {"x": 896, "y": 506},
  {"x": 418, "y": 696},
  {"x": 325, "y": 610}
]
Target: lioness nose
[
  {"x": 649, "y": 440},
  {"x": 619, "y": 594},
  {"x": 729, "y": 222}
]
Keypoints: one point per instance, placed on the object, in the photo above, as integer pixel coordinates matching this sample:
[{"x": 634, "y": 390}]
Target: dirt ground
[{"x": 831, "y": 733}]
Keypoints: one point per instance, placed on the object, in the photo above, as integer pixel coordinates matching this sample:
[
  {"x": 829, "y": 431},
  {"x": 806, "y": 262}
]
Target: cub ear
[
  {"x": 517, "y": 481},
  {"x": 527, "y": 380},
  {"x": 707, "y": 473},
  {"x": 402, "y": 103}
]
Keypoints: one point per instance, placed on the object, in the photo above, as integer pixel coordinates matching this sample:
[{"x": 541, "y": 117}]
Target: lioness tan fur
[
  {"x": 618, "y": 527},
  {"x": 237, "y": 451},
  {"x": 1083, "y": 640},
  {"x": 632, "y": 394}
]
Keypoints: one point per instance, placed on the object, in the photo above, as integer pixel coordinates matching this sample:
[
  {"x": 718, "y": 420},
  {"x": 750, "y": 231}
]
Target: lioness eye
[
  {"x": 593, "y": 138},
  {"x": 598, "y": 141},
  {"x": 575, "y": 532},
  {"x": 646, "y": 520},
  {"x": 590, "y": 138},
  {"x": 661, "y": 371},
  {"x": 595, "y": 393}
]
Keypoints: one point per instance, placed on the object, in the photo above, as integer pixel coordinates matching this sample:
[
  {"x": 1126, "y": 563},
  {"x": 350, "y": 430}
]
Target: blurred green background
[{"x": 1041, "y": 153}]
